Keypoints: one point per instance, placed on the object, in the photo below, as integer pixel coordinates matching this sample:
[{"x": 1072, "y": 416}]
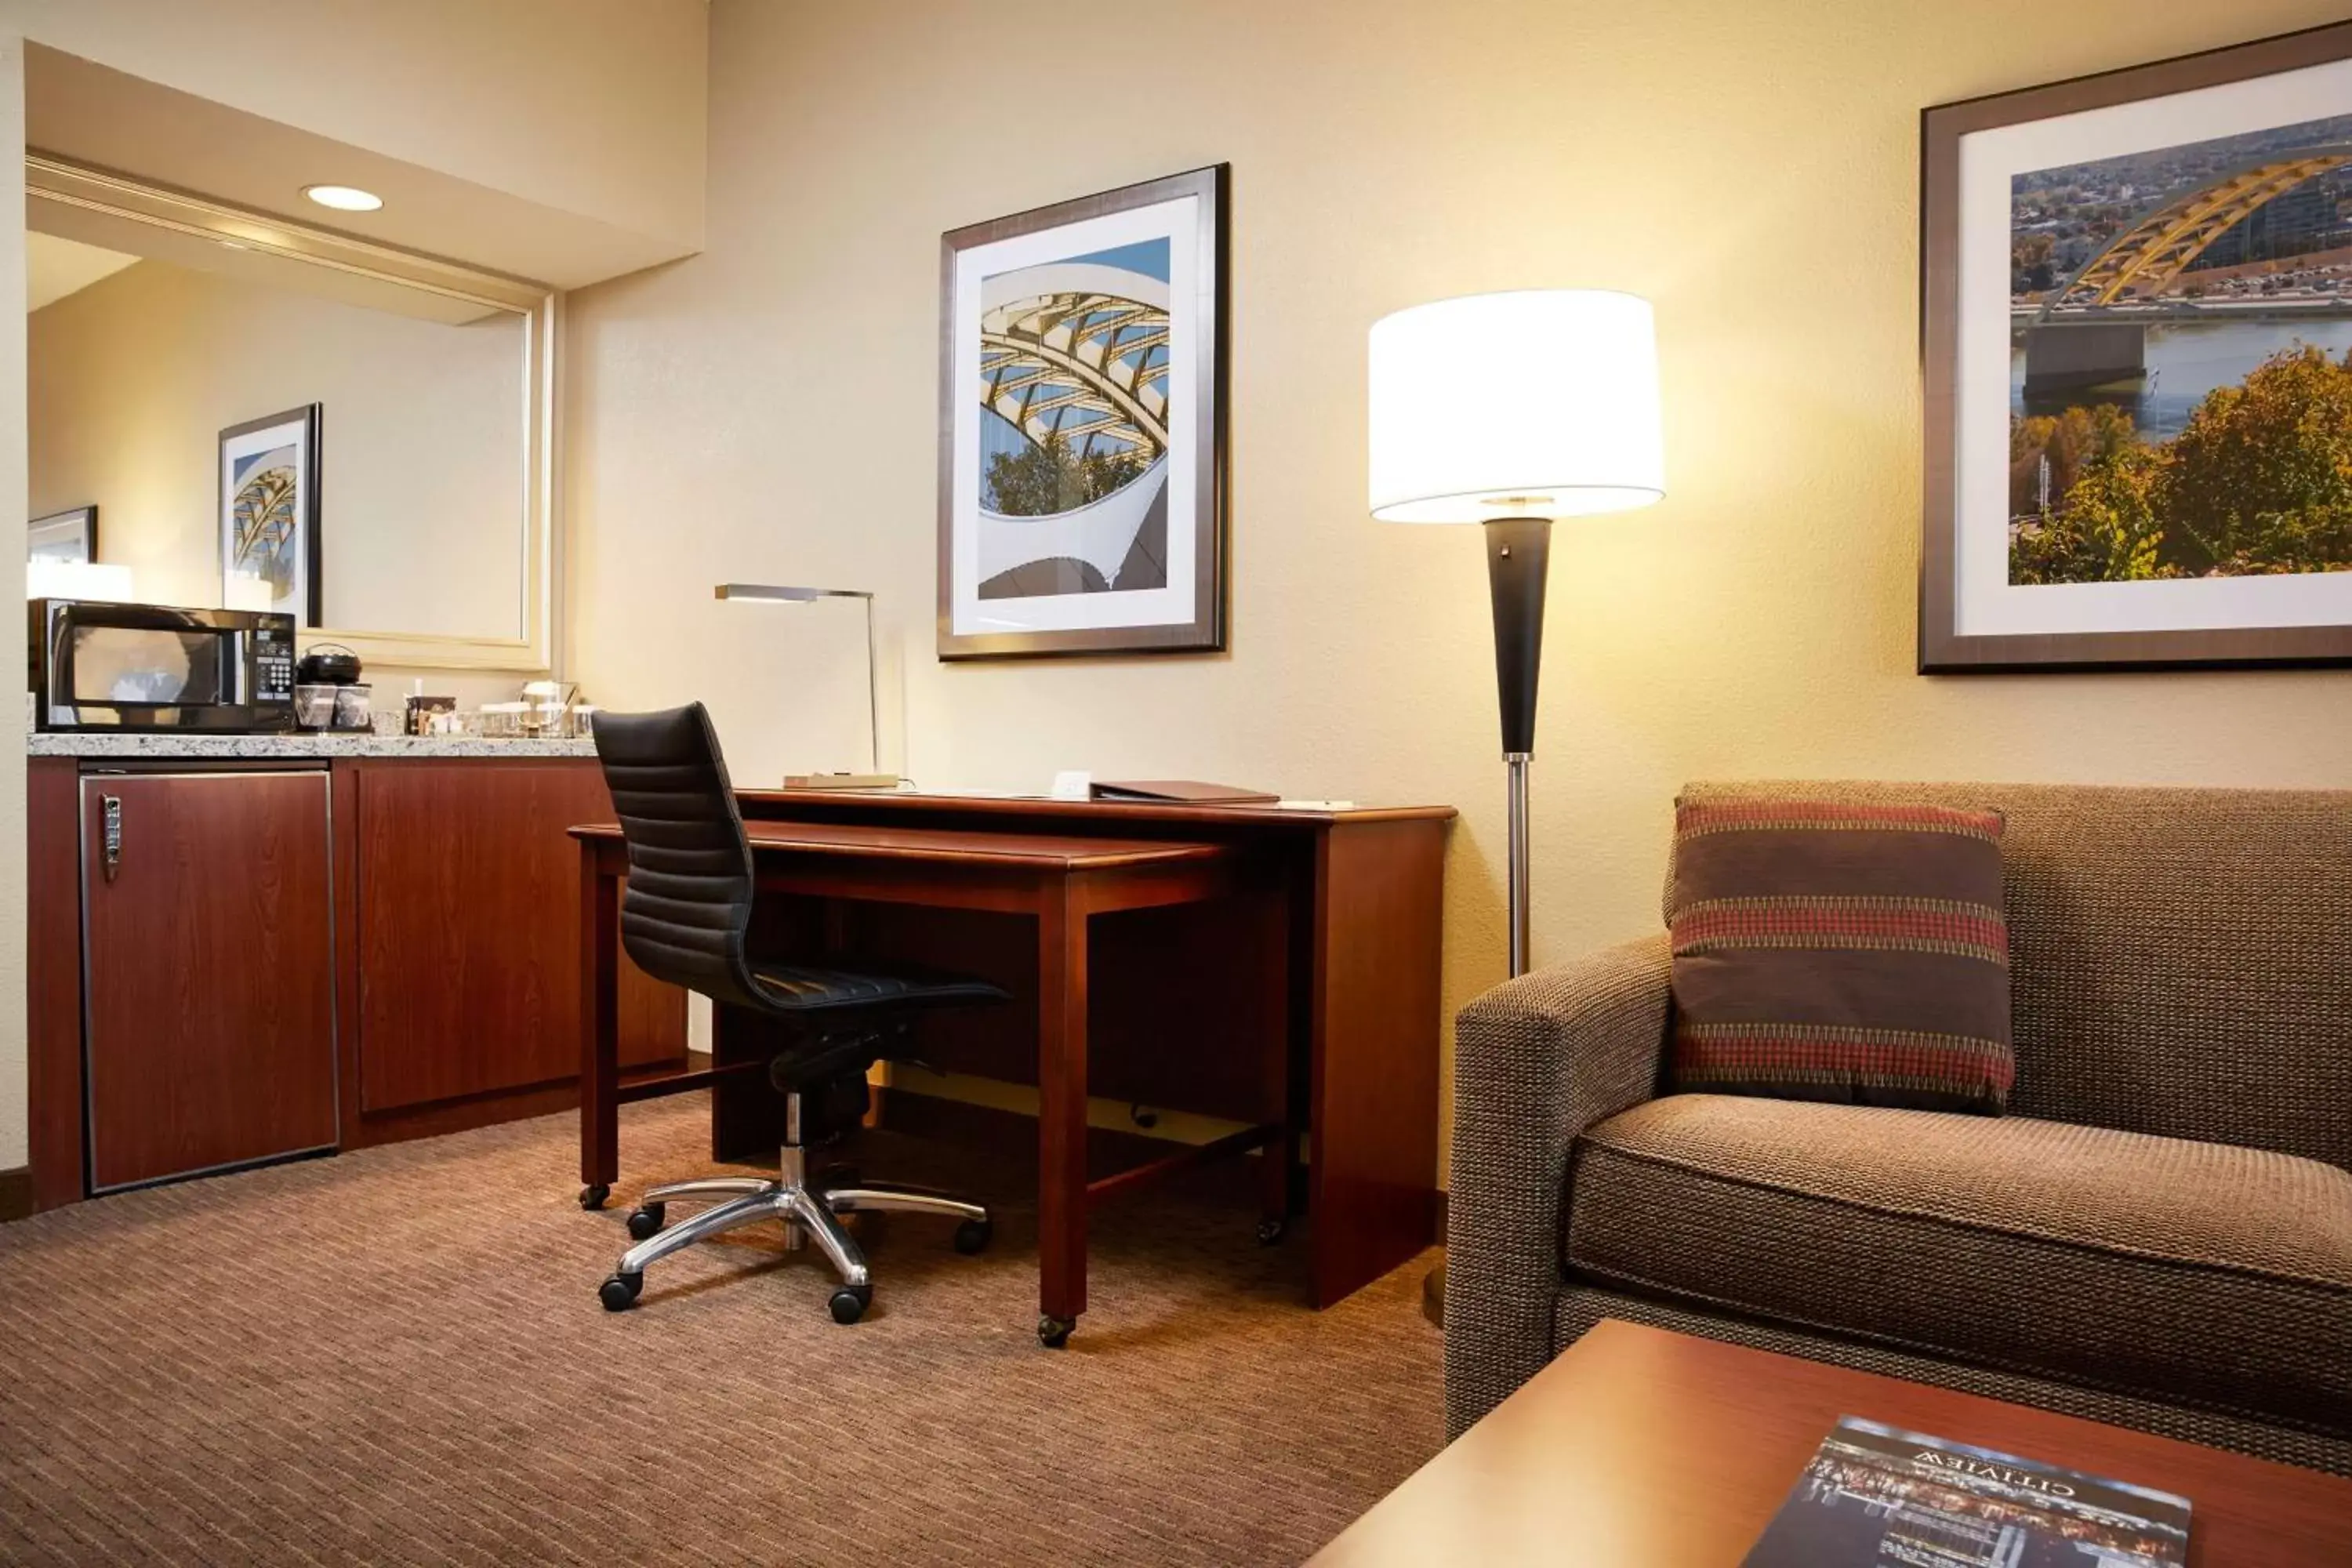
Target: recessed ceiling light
[{"x": 343, "y": 198}]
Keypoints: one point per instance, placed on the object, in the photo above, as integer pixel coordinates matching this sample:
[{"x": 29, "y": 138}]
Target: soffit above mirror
[
  {"x": 55, "y": 268},
  {"x": 89, "y": 114},
  {"x": 97, "y": 209}
]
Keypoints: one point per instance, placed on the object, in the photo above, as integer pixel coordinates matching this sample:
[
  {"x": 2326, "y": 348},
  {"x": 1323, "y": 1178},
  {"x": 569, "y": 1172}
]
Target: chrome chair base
[{"x": 807, "y": 1212}]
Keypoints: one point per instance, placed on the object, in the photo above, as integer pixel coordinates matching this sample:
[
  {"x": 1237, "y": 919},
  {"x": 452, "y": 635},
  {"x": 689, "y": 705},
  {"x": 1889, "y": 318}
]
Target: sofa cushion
[
  {"x": 1840, "y": 951},
  {"x": 2204, "y": 1274}
]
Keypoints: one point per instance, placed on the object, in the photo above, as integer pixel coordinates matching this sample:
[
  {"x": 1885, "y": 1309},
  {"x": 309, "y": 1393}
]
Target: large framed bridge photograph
[
  {"x": 1082, "y": 445},
  {"x": 2137, "y": 342}
]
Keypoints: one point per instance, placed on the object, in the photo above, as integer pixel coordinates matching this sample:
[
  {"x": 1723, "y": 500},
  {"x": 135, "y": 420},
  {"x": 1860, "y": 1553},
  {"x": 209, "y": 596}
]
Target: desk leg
[
  {"x": 1380, "y": 893},
  {"x": 600, "y": 1034},
  {"x": 1061, "y": 1109},
  {"x": 1269, "y": 910}
]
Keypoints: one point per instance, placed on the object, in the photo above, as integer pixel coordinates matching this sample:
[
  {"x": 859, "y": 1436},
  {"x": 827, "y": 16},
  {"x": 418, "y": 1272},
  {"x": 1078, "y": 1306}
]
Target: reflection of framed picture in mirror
[
  {"x": 1082, "y": 493},
  {"x": 71, "y": 536},
  {"x": 2137, "y": 335},
  {"x": 269, "y": 515}
]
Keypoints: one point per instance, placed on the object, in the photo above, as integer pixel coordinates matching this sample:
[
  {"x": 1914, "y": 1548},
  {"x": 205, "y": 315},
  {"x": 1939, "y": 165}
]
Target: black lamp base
[{"x": 1518, "y": 550}]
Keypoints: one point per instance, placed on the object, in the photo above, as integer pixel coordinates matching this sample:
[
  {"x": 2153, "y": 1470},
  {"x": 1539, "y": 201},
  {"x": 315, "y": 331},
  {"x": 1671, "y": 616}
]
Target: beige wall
[
  {"x": 132, "y": 379},
  {"x": 765, "y": 410},
  {"x": 590, "y": 106}
]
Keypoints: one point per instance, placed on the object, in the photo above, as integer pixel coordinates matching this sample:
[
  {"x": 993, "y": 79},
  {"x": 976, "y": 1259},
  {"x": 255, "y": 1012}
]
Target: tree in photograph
[
  {"x": 2073, "y": 441},
  {"x": 1046, "y": 477},
  {"x": 2260, "y": 481},
  {"x": 2030, "y": 267},
  {"x": 2109, "y": 531}
]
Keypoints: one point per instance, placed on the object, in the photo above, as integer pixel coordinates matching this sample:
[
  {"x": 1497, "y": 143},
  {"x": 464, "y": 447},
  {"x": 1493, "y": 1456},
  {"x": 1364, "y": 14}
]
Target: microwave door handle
[{"x": 110, "y": 813}]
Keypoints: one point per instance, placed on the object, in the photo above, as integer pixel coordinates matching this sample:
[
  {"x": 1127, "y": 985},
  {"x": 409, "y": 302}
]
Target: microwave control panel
[{"x": 273, "y": 666}]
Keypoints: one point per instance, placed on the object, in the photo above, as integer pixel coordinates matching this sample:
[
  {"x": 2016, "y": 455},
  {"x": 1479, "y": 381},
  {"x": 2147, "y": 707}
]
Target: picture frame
[
  {"x": 71, "y": 536},
  {"x": 1082, "y": 463},
  {"x": 2129, "y": 283},
  {"x": 269, "y": 486}
]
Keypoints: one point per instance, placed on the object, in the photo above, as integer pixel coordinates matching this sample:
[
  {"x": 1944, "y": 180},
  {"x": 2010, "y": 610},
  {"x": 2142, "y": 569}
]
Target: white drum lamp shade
[{"x": 1542, "y": 403}]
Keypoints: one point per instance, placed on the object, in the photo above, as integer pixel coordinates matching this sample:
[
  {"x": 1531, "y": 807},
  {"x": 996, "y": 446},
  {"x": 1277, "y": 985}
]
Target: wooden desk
[
  {"x": 1365, "y": 890},
  {"x": 1639, "y": 1448},
  {"x": 1062, "y": 882},
  {"x": 1347, "y": 938}
]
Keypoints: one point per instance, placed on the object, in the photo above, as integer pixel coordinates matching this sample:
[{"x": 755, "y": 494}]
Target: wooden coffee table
[{"x": 1639, "y": 1448}]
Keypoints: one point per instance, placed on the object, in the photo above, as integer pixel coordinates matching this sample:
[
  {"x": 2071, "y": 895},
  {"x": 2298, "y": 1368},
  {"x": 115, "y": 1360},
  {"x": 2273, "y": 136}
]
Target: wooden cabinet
[
  {"x": 468, "y": 948},
  {"x": 209, "y": 963},
  {"x": 329, "y": 954}
]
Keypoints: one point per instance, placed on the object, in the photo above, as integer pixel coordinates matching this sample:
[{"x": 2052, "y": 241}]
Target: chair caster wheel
[
  {"x": 972, "y": 1234},
  {"x": 1269, "y": 1231},
  {"x": 850, "y": 1301},
  {"x": 593, "y": 1195},
  {"x": 646, "y": 1221},
  {"x": 620, "y": 1292},
  {"x": 1053, "y": 1333}
]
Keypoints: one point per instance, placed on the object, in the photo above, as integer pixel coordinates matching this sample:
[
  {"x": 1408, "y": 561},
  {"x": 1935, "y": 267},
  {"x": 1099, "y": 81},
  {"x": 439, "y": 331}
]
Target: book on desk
[{"x": 1182, "y": 792}]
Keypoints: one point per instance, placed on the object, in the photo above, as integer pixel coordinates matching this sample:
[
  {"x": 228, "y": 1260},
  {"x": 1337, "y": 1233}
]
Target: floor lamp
[{"x": 1510, "y": 410}]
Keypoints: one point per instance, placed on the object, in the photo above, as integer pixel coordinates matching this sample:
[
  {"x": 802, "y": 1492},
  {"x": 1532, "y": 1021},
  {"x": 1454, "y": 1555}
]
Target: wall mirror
[{"x": 267, "y": 415}]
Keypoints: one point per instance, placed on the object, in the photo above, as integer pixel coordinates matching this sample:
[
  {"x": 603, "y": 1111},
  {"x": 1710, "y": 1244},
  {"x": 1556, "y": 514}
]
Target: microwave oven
[{"x": 106, "y": 666}]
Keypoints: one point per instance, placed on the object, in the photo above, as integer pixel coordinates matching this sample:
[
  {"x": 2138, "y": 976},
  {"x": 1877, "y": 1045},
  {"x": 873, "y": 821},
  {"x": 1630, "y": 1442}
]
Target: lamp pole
[
  {"x": 872, "y": 693},
  {"x": 1518, "y": 550}
]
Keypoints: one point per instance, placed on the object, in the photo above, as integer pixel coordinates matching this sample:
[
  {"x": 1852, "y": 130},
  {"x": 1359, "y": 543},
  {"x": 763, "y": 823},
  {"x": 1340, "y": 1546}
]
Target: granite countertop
[{"x": 297, "y": 744}]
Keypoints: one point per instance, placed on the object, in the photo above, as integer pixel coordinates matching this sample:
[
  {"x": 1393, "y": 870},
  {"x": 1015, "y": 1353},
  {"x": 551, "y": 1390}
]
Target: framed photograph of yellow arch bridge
[
  {"x": 2136, "y": 339},
  {"x": 1082, "y": 441}
]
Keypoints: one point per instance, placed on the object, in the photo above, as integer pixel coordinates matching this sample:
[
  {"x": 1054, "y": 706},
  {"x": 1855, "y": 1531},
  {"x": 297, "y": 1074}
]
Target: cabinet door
[
  {"x": 469, "y": 930},
  {"x": 210, "y": 969}
]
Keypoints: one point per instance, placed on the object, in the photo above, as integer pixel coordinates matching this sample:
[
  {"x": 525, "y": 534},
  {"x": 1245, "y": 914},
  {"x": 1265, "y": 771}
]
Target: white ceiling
[{"x": 56, "y": 268}]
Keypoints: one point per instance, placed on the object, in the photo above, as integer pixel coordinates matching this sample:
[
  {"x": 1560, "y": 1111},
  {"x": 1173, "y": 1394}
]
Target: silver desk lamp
[{"x": 779, "y": 594}]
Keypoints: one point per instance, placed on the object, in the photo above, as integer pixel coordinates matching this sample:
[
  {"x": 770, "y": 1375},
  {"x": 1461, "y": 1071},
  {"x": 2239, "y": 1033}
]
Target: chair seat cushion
[
  {"x": 2205, "y": 1274},
  {"x": 809, "y": 988}
]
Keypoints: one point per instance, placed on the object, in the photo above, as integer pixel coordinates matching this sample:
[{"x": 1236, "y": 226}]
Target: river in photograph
[{"x": 2186, "y": 360}]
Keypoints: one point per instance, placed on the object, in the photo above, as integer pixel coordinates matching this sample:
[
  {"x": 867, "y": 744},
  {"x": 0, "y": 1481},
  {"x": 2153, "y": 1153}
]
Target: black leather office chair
[{"x": 683, "y": 917}]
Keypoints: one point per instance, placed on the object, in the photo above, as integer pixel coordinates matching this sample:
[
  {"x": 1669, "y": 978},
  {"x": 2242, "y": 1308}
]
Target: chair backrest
[
  {"x": 688, "y": 899},
  {"x": 2180, "y": 959}
]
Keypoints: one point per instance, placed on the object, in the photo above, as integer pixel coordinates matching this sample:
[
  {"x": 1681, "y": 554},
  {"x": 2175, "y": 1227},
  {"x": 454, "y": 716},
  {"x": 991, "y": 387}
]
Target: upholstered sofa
[{"x": 2157, "y": 1235}]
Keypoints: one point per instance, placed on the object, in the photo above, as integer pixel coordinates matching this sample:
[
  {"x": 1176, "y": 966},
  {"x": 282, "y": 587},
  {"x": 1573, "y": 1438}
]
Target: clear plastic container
[
  {"x": 353, "y": 708},
  {"x": 503, "y": 720},
  {"x": 314, "y": 707}
]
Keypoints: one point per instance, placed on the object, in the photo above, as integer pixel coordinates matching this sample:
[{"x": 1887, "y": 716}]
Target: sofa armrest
[{"x": 1535, "y": 1061}]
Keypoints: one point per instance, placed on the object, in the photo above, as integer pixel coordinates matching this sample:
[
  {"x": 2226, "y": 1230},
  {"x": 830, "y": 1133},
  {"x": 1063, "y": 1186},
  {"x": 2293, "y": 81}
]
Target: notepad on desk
[{"x": 1182, "y": 792}]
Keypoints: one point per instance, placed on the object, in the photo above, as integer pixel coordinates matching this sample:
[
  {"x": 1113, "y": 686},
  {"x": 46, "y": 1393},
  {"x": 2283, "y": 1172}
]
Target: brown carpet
[{"x": 397, "y": 1356}]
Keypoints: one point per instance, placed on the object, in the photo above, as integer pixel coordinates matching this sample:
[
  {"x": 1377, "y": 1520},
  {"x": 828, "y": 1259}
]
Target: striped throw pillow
[{"x": 1841, "y": 951}]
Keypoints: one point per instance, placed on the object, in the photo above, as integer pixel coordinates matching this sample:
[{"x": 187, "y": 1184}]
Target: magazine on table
[{"x": 1878, "y": 1496}]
